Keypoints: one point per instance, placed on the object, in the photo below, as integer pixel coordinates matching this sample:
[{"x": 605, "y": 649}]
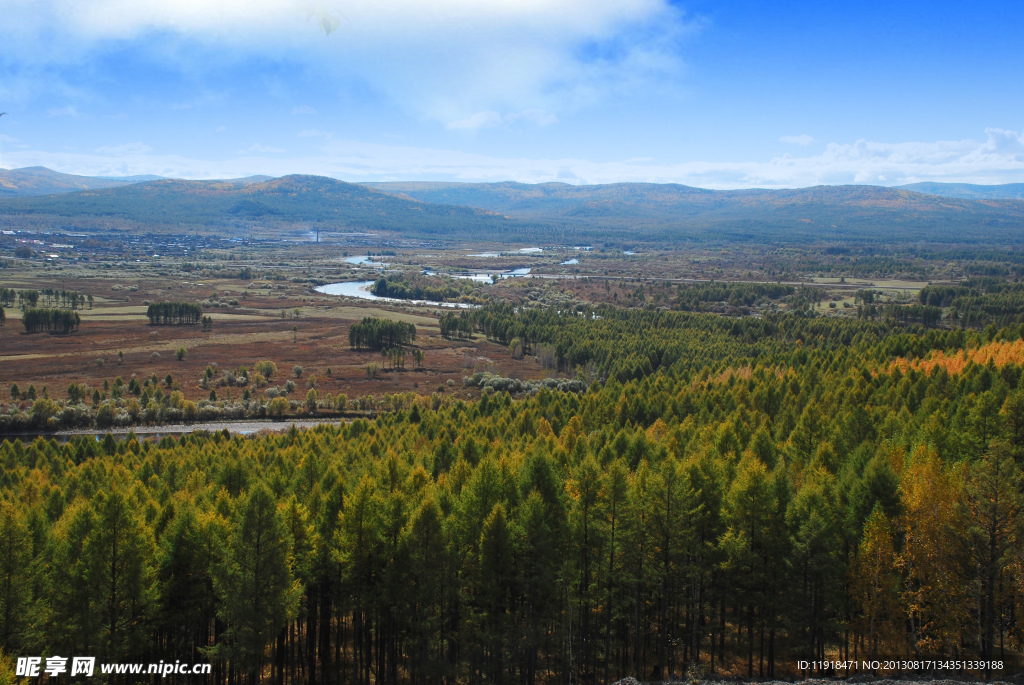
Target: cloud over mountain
[{"x": 997, "y": 159}]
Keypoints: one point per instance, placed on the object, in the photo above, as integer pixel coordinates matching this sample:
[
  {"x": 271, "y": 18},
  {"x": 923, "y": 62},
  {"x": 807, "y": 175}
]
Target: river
[
  {"x": 361, "y": 289},
  {"x": 237, "y": 427}
]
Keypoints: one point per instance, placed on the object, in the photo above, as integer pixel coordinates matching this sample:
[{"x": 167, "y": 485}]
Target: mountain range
[
  {"x": 276, "y": 205},
  {"x": 970, "y": 191},
  {"x": 864, "y": 212},
  {"x": 549, "y": 212},
  {"x": 38, "y": 180}
]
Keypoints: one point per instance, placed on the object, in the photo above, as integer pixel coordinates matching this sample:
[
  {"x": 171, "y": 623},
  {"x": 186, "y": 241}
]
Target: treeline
[
  {"x": 695, "y": 296},
  {"x": 978, "y": 302},
  {"x": 48, "y": 297},
  {"x": 50, "y": 320},
  {"x": 731, "y": 513},
  {"x": 456, "y": 326},
  {"x": 399, "y": 286},
  {"x": 164, "y": 313},
  {"x": 913, "y": 313},
  {"x": 847, "y": 262},
  {"x": 373, "y": 333},
  {"x": 63, "y": 298},
  {"x": 646, "y": 341}
]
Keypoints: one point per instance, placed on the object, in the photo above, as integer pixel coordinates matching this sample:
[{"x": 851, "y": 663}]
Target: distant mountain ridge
[
  {"x": 38, "y": 180},
  {"x": 819, "y": 212},
  {"x": 970, "y": 191},
  {"x": 547, "y": 213},
  {"x": 277, "y": 204}
]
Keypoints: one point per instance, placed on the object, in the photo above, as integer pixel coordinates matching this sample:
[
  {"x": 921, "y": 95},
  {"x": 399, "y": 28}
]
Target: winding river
[{"x": 361, "y": 289}]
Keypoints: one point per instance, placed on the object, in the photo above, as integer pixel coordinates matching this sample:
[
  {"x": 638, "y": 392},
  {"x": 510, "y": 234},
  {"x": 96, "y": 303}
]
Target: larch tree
[
  {"x": 934, "y": 597},
  {"x": 877, "y": 585},
  {"x": 257, "y": 591},
  {"x": 993, "y": 507},
  {"x": 16, "y": 605}
]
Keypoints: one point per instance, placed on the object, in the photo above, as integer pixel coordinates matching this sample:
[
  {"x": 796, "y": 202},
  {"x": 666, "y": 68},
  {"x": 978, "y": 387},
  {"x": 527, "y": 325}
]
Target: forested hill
[
  {"x": 276, "y": 202},
  {"x": 970, "y": 191},
  {"x": 821, "y": 212},
  {"x": 553, "y": 212},
  {"x": 39, "y": 180}
]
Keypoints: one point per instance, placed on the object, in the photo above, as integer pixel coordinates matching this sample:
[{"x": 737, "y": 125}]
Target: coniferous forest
[
  {"x": 728, "y": 496},
  {"x": 505, "y": 342}
]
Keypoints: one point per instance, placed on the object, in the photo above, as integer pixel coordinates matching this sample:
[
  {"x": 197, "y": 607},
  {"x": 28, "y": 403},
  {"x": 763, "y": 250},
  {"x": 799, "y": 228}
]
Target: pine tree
[
  {"x": 257, "y": 591},
  {"x": 15, "y": 580},
  {"x": 935, "y": 598},
  {"x": 994, "y": 503},
  {"x": 613, "y": 502},
  {"x": 120, "y": 553},
  {"x": 876, "y": 583},
  {"x": 357, "y": 543},
  {"x": 189, "y": 548},
  {"x": 494, "y": 587},
  {"x": 584, "y": 491}
]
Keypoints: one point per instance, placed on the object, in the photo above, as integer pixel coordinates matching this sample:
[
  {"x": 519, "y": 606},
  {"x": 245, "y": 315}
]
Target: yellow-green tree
[{"x": 258, "y": 593}]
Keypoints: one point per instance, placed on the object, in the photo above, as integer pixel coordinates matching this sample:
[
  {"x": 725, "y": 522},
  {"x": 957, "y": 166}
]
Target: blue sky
[{"x": 716, "y": 94}]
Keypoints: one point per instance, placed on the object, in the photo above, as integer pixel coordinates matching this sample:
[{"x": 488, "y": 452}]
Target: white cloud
[
  {"x": 997, "y": 159},
  {"x": 66, "y": 111},
  {"x": 490, "y": 118},
  {"x": 137, "y": 148},
  {"x": 304, "y": 109},
  {"x": 220, "y": 129},
  {"x": 803, "y": 140},
  {"x": 445, "y": 59},
  {"x": 261, "y": 149},
  {"x": 486, "y": 119},
  {"x": 534, "y": 116},
  {"x": 258, "y": 20}
]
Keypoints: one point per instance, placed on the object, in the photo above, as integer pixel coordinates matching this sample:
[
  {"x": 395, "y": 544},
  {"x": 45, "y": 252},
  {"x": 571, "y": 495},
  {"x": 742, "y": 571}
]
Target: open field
[
  {"x": 316, "y": 339},
  {"x": 260, "y": 297}
]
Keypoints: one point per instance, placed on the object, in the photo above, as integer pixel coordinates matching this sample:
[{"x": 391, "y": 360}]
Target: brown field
[
  {"x": 316, "y": 339},
  {"x": 274, "y": 314}
]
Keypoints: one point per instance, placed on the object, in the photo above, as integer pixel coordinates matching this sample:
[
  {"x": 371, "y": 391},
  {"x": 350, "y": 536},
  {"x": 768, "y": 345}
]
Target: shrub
[
  {"x": 278, "y": 406},
  {"x": 267, "y": 368}
]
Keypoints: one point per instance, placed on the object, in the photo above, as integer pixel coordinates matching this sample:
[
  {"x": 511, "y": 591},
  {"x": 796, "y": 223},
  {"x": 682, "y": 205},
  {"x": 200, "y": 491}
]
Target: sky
[{"x": 717, "y": 94}]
